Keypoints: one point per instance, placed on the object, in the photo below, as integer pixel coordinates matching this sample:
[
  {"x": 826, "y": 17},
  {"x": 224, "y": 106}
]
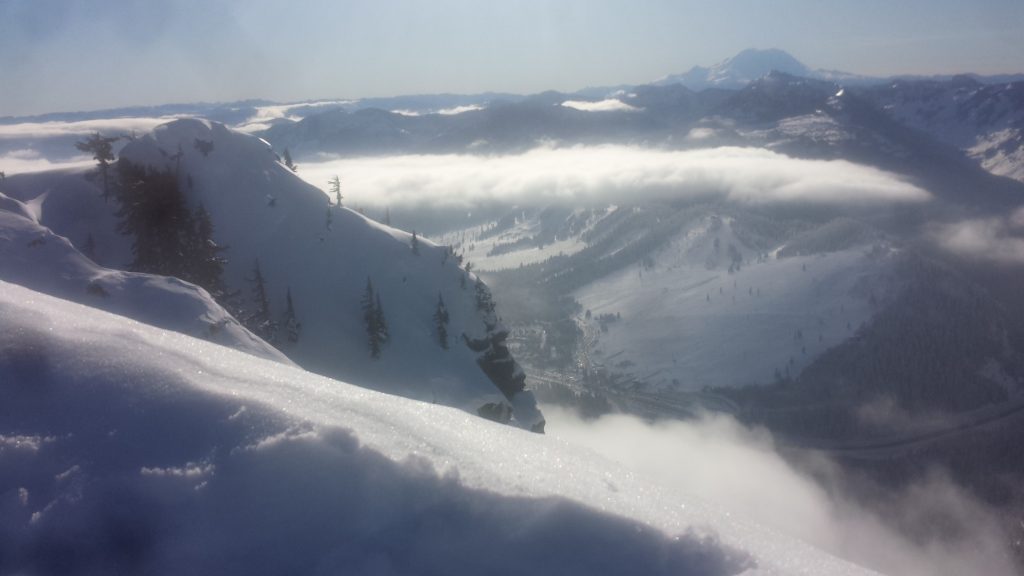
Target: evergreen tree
[
  {"x": 153, "y": 211},
  {"x": 415, "y": 244},
  {"x": 288, "y": 161},
  {"x": 382, "y": 325},
  {"x": 204, "y": 146},
  {"x": 259, "y": 320},
  {"x": 335, "y": 184},
  {"x": 169, "y": 239},
  {"x": 177, "y": 156},
  {"x": 89, "y": 248},
  {"x": 329, "y": 217},
  {"x": 387, "y": 216},
  {"x": 441, "y": 321},
  {"x": 372, "y": 319},
  {"x": 484, "y": 300},
  {"x": 102, "y": 150},
  {"x": 292, "y": 326},
  {"x": 206, "y": 262}
]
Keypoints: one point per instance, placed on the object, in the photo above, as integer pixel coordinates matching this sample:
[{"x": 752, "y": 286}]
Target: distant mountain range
[{"x": 749, "y": 65}]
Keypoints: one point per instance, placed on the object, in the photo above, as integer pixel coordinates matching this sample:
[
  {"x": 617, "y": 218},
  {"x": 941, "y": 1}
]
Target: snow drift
[{"x": 126, "y": 448}]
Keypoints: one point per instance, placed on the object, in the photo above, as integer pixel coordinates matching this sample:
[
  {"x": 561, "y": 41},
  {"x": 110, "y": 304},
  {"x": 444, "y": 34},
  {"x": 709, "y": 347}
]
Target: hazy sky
[{"x": 58, "y": 55}]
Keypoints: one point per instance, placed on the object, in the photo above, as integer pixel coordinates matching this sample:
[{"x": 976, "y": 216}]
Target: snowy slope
[
  {"x": 70, "y": 203},
  {"x": 685, "y": 322},
  {"x": 128, "y": 449},
  {"x": 676, "y": 300},
  {"x": 262, "y": 210},
  {"x": 985, "y": 121},
  {"x": 31, "y": 255}
]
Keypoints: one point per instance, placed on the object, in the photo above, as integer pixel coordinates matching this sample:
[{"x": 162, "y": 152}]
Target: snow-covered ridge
[
  {"x": 33, "y": 256},
  {"x": 324, "y": 255},
  {"x": 147, "y": 451},
  {"x": 985, "y": 121},
  {"x": 708, "y": 302}
]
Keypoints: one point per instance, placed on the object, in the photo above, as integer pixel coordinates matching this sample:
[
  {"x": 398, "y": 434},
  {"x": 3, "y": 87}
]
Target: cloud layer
[
  {"x": 28, "y": 160},
  {"x": 993, "y": 239},
  {"x": 738, "y": 469},
  {"x": 266, "y": 115},
  {"x": 81, "y": 127},
  {"x": 609, "y": 173},
  {"x": 609, "y": 105}
]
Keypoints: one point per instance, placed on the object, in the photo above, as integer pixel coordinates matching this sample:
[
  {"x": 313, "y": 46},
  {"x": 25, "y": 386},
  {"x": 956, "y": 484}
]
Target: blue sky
[{"x": 58, "y": 55}]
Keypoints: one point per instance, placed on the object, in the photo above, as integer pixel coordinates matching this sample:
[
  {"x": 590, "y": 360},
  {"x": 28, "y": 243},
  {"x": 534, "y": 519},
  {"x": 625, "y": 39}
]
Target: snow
[
  {"x": 684, "y": 327},
  {"x": 486, "y": 254},
  {"x": 985, "y": 121},
  {"x": 1000, "y": 152},
  {"x": 817, "y": 128},
  {"x": 326, "y": 268},
  {"x": 32, "y": 255},
  {"x": 126, "y": 448},
  {"x": 739, "y": 70},
  {"x": 685, "y": 321},
  {"x": 67, "y": 202}
]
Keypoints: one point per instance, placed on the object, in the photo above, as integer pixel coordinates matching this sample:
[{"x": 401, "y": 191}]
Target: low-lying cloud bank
[
  {"x": 28, "y": 160},
  {"x": 609, "y": 105},
  {"x": 993, "y": 239},
  {"x": 738, "y": 469},
  {"x": 264, "y": 115},
  {"x": 55, "y": 129},
  {"x": 609, "y": 174}
]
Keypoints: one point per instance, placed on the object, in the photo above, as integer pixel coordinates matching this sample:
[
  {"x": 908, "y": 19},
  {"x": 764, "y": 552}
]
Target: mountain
[
  {"x": 678, "y": 299},
  {"x": 811, "y": 118},
  {"x": 316, "y": 263},
  {"x": 499, "y": 127},
  {"x": 985, "y": 121},
  {"x": 827, "y": 261},
  {"x": 738, "y": 71}
]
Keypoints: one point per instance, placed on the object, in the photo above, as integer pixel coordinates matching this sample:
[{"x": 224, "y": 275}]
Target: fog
[
  {"x": 607, "y": 174},
  {"x": 266, "y": 115},
  {"x": 609, "y": 105},
  {"x": 26, "y": 160},
  {"x": 998, "y": 239},
  {"x": 39, "y": 146},
  {"x": 54, "y": 129},
  {"x": 739, "y": 469}
]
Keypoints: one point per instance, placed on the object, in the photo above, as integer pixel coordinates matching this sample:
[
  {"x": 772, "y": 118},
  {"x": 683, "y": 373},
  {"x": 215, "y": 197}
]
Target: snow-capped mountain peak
[{"x": 739, "y": 70}]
